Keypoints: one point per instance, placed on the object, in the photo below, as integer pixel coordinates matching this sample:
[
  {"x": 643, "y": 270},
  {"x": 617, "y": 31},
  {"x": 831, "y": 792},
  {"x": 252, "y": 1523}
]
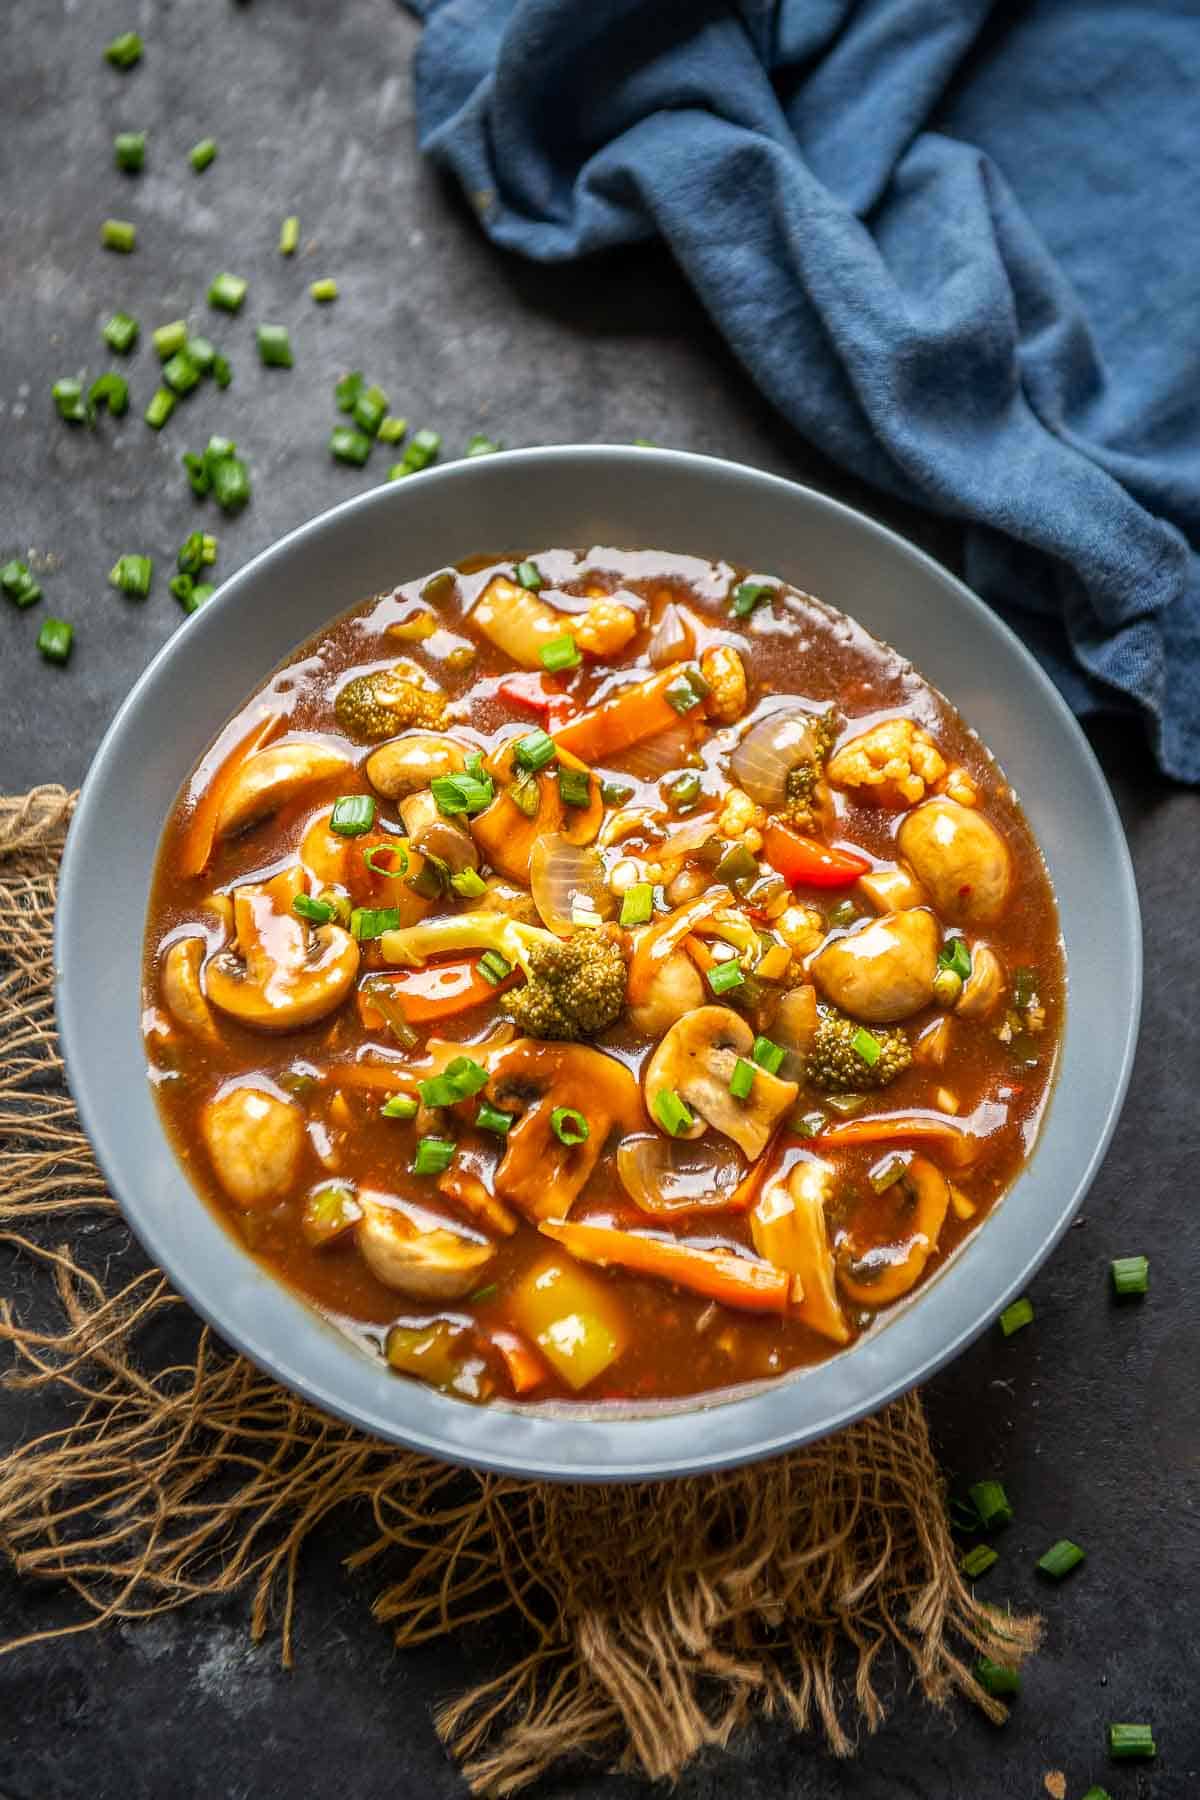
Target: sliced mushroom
[
  {"x": 960, "y": 858},
  {"x": 182, "y": 990},
  {"x": 255, "y": 1140},
  {"x": 412, "y": 761},
  {"x": 417, "y": 1252},
  {"x": 539, "y": 1173},
  {"x": 789, "y": 1229},
  {"x": 883, "y": 971},
  {"x": 281, "y": 974},
  {"x": 675, "y": 989},
  {"x": 892, "y": 888},
  {"x": 983, "y": 990},
  {"x": 880, "y": 1274},
  {"x": 267, "y": 780},
  {"x": 435, "y": 835},
  {"x": 696, "y": 1059}
]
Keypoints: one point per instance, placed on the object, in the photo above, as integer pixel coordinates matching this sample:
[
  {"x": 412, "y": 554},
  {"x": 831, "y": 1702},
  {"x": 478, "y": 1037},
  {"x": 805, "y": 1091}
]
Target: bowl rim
[{"x": 498, "y": 1437}]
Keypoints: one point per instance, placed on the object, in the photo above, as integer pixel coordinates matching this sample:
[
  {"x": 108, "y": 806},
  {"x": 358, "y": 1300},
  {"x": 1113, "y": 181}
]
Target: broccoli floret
[
  {"x": 575, "y": 987},
  {"x": 376, "y": 706},
  {"x": 802, "y": 778},
  {"x": 836, "y": 1062}
]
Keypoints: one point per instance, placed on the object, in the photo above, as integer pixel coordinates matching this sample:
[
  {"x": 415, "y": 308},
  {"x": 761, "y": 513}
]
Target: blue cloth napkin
[{"x": 956, "y": 242}]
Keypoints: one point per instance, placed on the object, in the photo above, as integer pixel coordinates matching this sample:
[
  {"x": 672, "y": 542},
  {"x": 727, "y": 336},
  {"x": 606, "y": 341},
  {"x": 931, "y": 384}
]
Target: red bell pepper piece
[
  {"x": 534, "y": 691},
  {"x": 804, "y": 861}
]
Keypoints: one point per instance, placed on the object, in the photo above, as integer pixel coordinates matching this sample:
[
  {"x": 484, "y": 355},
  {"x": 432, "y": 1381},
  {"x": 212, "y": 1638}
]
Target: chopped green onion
[
  {"x": 202, "y": 591},
  {"x": 469, "y": 884},
  {"x": 370, "y": 409},
  {"x": 118, "y": 234},
  {"x": 68, "y": 397},
  {"x": 574, "y": 786},
  {"x": 324, "y": 291},
  {"x": 1060, "y": 1559},
  {"x": 349, "y": 446},
  {"x": 162, "y": 405},
  {"x": 867, "y": 1046},
  {"x": 955, "y": 956},
  {"x": 1097, "y": 1793},
  {"x": 347, "y": 390},
  {"x": 671, "y": 1112},
  {"x": 1131, "y": 1275},
  {"x": 992, "y": 1504},
  {"x": 19, "y": 584},
  {"x": 615, "y": 793},
  {"x": 494, "y": 967},
  {"x": 637, "y": 904},
  {"x": 888, "y": 1171},
  {"x": 738, "y": 866},
  {"x": 370, "y": 922},
  {"x": 685, "y": 791},
  {"x": 434, "y": 1156},
  {"x": 129, "y": 151},
  {"x": 191, "y": 553},
  {"x": 490, "y": 1118},
  {"x": 197, "y": 473},
  {"x": 353, "y": 814},
  {"x": 231, "y": 483},
  {"x": 184, "y": 590},
  {"x": 110, "y": 390},
  {"x": 529, "y": 576},
  {"x": 124, "y": 51},
  {"x": 682, "y": 695},
  {"x": 748, "y": 595},
  {"x": 121, "y": 333},
  {"x": 400, "y": 1106},
  {"x": 741, "y": 1082},
  {"x": 995, "y": 1679},
  {"x": 289, "y": 235},
  {"x": 132, "y": 575},
  {"x": 484, "y": 1293},
  {"x": 421, "y": 450},
  {"x": 391, "y": 430},
  {"x": 767, "y": 1055},
  {"x": 479, "y": 445},
  {"x": 181, "y": 374},
  {"x": 431, "y": 879},
  {"x": 560, "y": 653},
  {"x": 317, "y": 912},
  {"x": 55, "y": 640},
  {"x": 222, "y": 373},
  {"x": 168, "y": 339},
  {"x": 1016, "y": 1317},
  {"x": 217, "y": 450},
  {"x": 461, "y": 793},
  {"x": 461, "y": 1078},
  {"x": 701, "y": 687},
  {"x": 398, "y": 850},
  {"x": 535, "y": 751},
  {"x": 569, "y": 1126},
  {"x": 809, "y": 1124},
  {"x": 1126, "y": 1742},
  {"x": 274, "y": 347},
  {"x": 978, "y": 1561},
  {"x": 201, "y": 354},
  {"x": 724, "y": 975},
  {"x": 227, "y": 292},
  {"x": 844, "y": 913},
  {"x": 201, "y": 154}
]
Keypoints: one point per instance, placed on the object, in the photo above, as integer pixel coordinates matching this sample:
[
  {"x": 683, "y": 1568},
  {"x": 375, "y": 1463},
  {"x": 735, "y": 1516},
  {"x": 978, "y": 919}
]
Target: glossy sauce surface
[{"x": 658, "y": 1339}]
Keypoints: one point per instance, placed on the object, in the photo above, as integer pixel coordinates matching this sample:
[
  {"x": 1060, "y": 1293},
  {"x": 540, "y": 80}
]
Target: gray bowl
[{"x": 585, "y": 496}]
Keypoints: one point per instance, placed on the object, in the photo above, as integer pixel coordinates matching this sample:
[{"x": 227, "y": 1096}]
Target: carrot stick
[
  {"x": 634, "y": 713},
  {"x": 525, "y": 1370},
  {"x": 960, "y": 1144},
  {"x": 201, "y": 827},
  {"x": 717, "y": 1274},
  {"x": 437, "y": 991}
]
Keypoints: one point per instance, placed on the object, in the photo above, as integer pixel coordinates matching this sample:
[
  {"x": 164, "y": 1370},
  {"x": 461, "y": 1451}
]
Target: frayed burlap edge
[{"x": 650, "y": 1621}]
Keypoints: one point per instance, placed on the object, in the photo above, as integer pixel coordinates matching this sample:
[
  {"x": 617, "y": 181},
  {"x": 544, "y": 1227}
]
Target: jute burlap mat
[{"x": 643, "y": 1623}]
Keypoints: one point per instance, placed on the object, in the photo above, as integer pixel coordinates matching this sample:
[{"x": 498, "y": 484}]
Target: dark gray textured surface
[{"x": 1092, "y": 1416}]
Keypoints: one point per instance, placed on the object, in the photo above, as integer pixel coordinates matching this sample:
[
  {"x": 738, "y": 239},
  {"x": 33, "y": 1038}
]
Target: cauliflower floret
[
  {"x": 801, "y": 927},
  {"x": 892, "y": 764},
  {"x": 741, "y": 820},
  {"x": 605, "y": 627},
  {"x": 959, "y": 786},
  {"x": 725, "y": 674}
]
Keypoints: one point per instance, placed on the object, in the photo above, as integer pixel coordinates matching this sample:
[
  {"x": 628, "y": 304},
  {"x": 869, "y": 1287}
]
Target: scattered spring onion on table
[
  {"x": 289, "y": 235},
  {"x": 274, "y": 347},
  {"x": 1015, "y": 1317},
  {"x": 1060, "y": 1559},
  {"x": 129, "y": 151},
  {"x": 124, "y": 51},
  {"x": 202, "y": 154},
  {"x": 121, "y": 333},
  {"x": 995, "y": 1679},
  {"x": 978, "y": 1560},
  {"x": 992, "y": 1504},
  {"x": 324, "y": 291},
  {"x": 119, "y": 235},
  {"x": 1127, "y": 1743},
  {"x": 132, "y": 575},
  {"x": 226, "y": 292},
  {"x": 19, "y": 584},
  {"x": 55, "y": 640},
  {"x": 1131, "y": 1276}
]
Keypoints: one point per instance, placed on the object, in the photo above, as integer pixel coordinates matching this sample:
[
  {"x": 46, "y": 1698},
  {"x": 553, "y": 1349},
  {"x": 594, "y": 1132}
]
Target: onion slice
[
  {"x": 657, "y": 756},
  {"x": 562, "y": 875},
  {"x": 770, "y": 750},
  {"x": 672, "y": 639},
  {"x": 671, "y": 1177}
]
